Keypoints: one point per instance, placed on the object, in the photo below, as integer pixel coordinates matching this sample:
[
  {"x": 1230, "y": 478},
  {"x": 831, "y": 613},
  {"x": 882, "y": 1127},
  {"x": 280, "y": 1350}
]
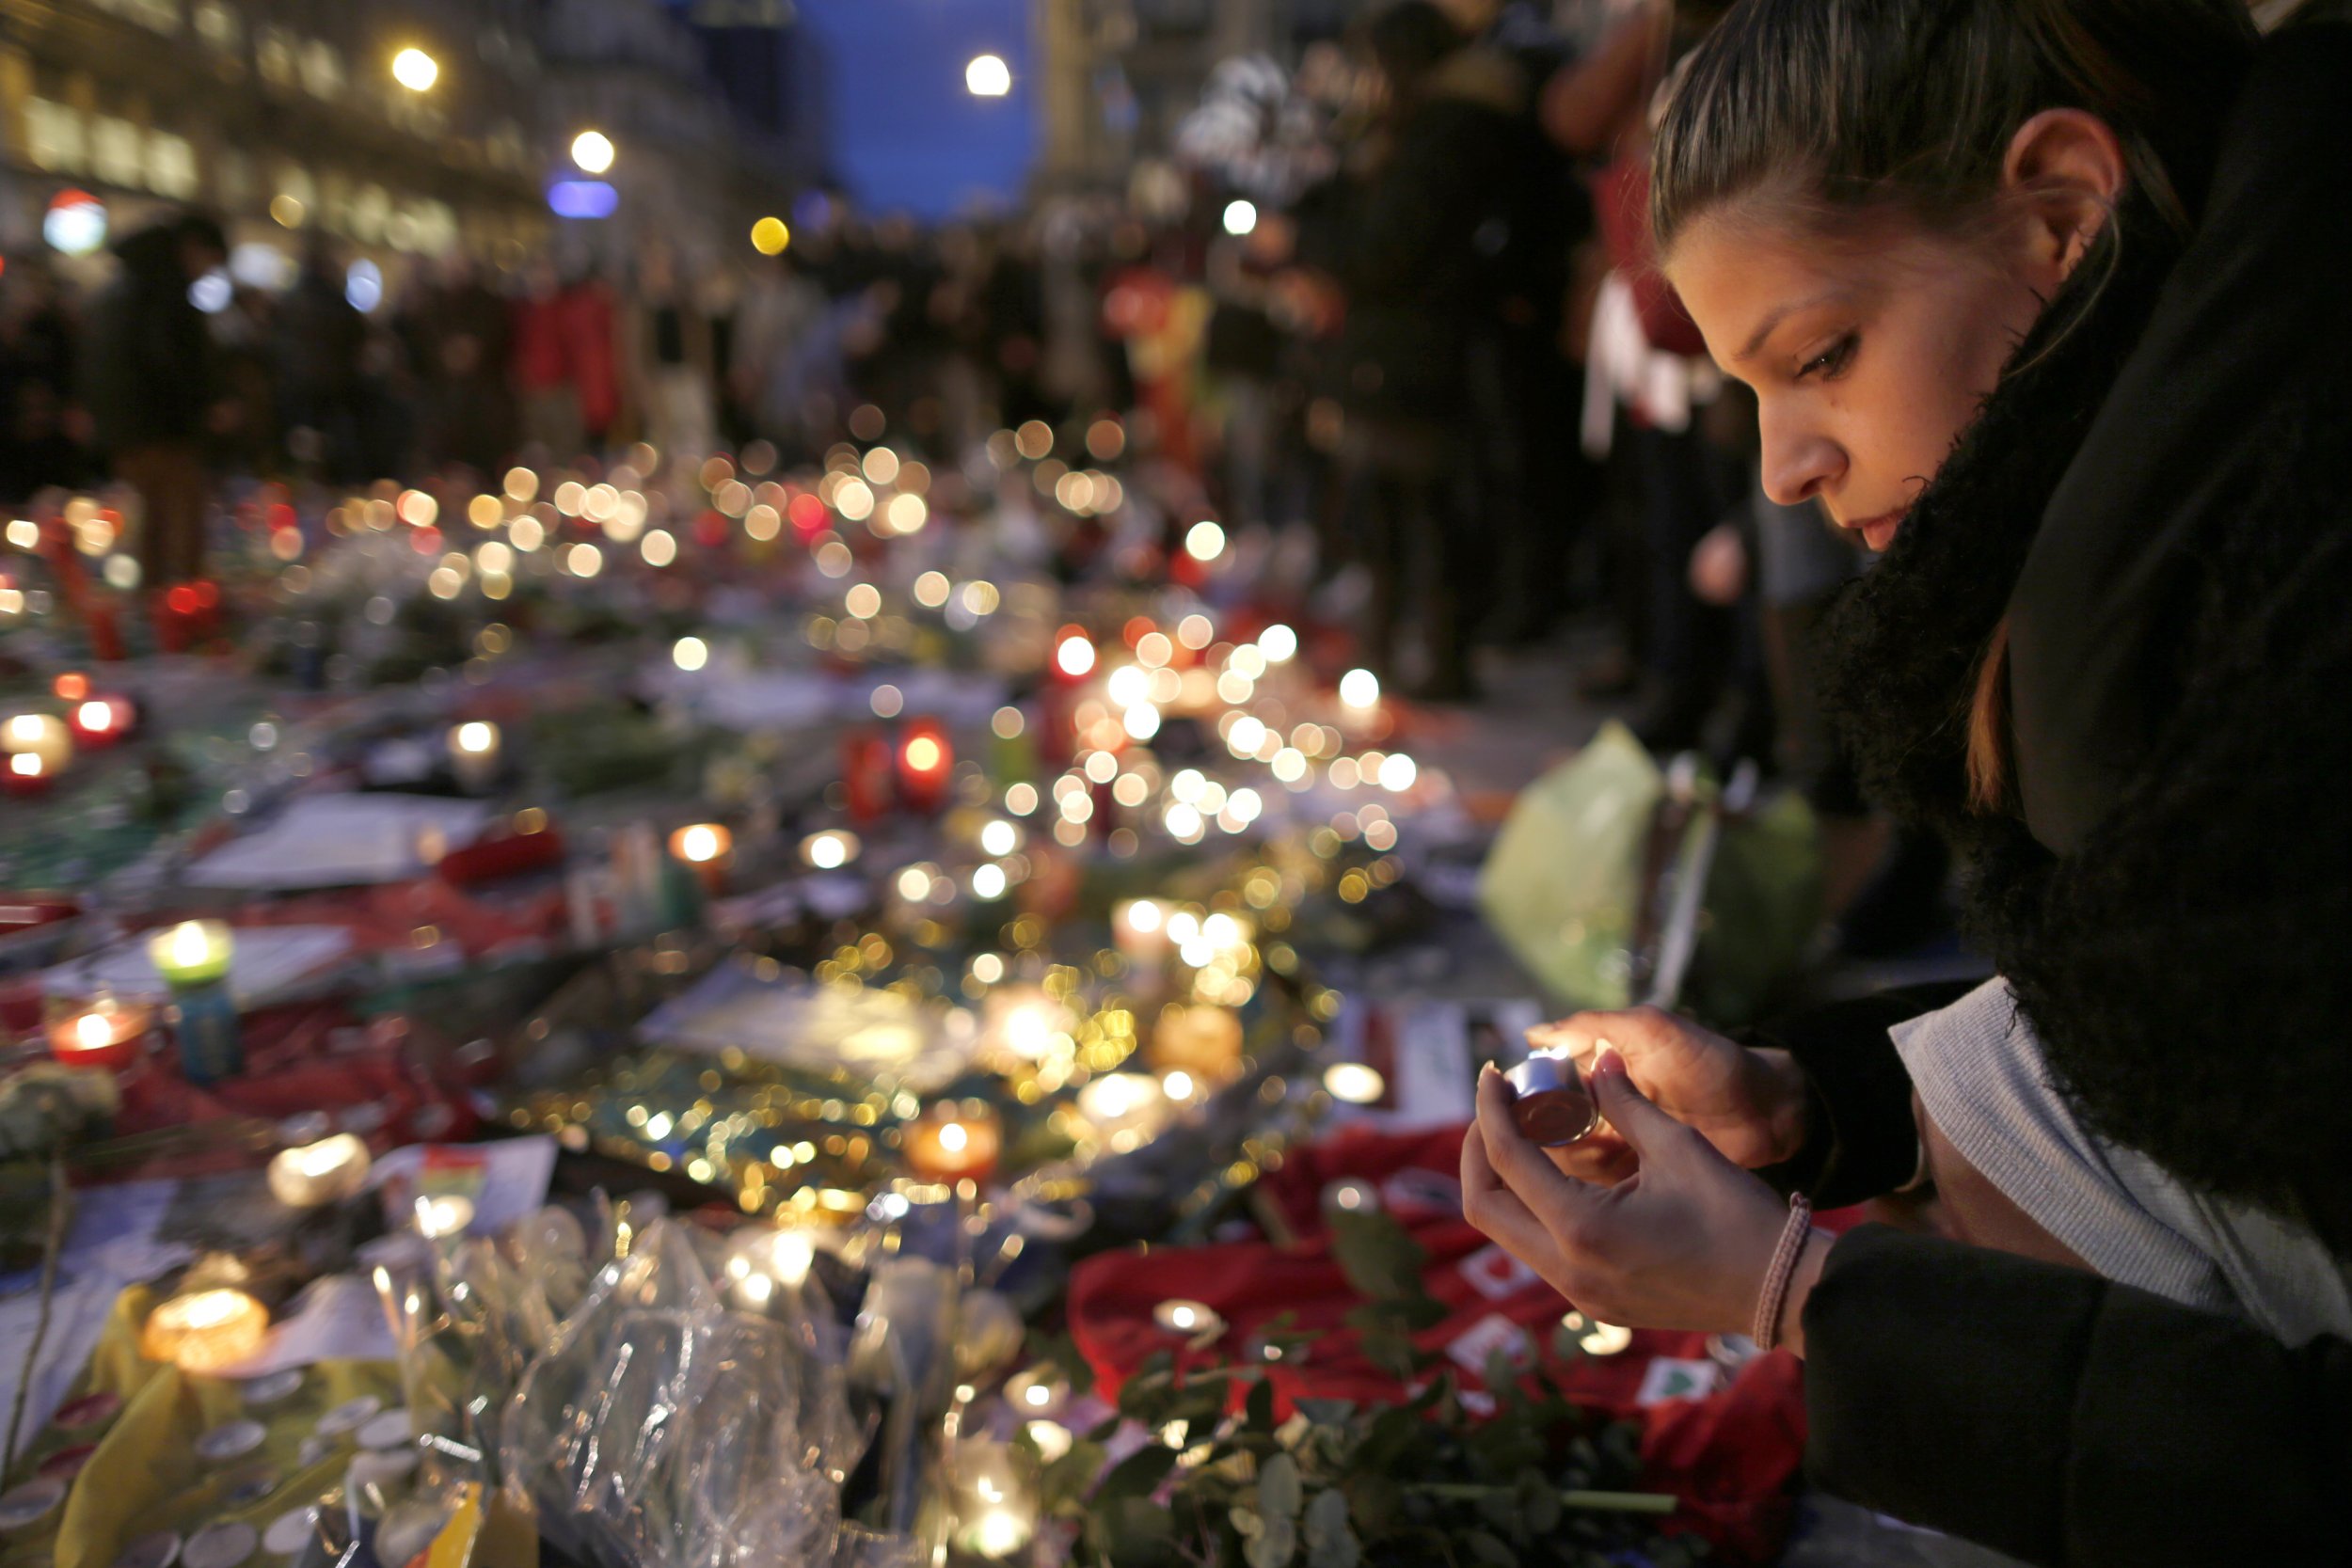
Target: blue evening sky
[{"x": 905, "y": 133}]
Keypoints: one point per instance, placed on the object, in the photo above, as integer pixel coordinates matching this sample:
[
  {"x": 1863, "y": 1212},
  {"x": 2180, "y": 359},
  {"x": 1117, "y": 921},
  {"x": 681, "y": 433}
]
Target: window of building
[
  {"x": 53, "y": 135},
  {"x": 322, "y": 69},
  {"x": 117, "y": 153},
  {"x": 171, "y": 166},
  {"x": 275, "y": 53}
]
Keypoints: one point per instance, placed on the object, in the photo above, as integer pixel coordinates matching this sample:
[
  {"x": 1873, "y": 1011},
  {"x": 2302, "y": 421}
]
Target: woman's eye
[{"x": 1830, "y": 363}]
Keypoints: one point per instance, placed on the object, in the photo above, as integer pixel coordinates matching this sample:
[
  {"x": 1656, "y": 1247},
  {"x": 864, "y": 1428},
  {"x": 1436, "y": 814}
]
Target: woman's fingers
[
  {"x": 1488, "y": 1203},
  {"x": 1650, "y": 1130},
  {"x": 1600, "y": 1157}
]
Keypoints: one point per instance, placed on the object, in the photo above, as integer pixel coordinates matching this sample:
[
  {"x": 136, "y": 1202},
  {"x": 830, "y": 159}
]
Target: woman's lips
[{"x": 1879, "y": 531}]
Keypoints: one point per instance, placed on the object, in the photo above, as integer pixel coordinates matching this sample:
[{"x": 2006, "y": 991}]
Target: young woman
[{"x": 2044, "y": 298}]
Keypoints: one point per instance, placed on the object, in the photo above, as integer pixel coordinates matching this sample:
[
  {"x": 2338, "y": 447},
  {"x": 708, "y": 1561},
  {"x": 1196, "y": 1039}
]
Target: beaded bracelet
[{"x": 1792, "y": 1240}]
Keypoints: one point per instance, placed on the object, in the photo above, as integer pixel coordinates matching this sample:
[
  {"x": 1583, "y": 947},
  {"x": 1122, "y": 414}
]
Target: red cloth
[
  {"x": 1621, "y": 202},
  {"x": 1730, "y": 1456}
]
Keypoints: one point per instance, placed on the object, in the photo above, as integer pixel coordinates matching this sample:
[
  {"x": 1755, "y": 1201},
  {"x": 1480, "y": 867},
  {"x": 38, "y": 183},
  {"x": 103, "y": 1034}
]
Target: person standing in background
[{"x": 150, "y": 389}]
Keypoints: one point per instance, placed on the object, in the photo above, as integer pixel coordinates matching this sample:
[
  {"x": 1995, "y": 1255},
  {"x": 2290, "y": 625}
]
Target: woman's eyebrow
[{"x": 1774, "y": 317}]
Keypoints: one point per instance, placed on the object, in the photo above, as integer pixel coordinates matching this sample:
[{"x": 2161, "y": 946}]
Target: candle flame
[
  {"x": 922, "y": 754},
  {"x": 188, "y": 945},
  {"x": 26, "y": 765},
  {"x": 700, "y": 844},
  {"x": 94, "y": 1030},
  {"x": 953, "y": 1138},
  {"x": 476, "y": 736}
]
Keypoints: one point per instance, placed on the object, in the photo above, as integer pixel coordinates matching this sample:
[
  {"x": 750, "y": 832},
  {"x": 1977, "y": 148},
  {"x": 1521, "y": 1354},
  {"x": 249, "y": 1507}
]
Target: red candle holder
[
  {"x": 925, "y": 760},
  {"x": 866, "y": 775}
]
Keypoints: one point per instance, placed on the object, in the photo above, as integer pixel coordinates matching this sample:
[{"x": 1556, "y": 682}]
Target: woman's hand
[
  {"x": 1750, "y": 1104},
  {"x": 1684, "y": 1243}
]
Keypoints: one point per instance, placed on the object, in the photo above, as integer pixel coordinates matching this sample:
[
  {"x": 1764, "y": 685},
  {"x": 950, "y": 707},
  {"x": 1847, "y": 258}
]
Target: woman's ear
[{"x": 2067, "y": 168}]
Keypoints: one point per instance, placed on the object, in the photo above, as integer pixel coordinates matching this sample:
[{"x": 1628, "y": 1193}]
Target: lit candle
[
  {"x": 1027, "y": 1023},
  {"x": 193, "y": 953},
  {"x": 707, "y": 849},
  {"x": 40, "y": 736},
  {"x": 925, "y": 761},
  {"x": 830, "y": 851},
  {"x": 1354, "y": 1083},
  {"x": 1350, "y": 1195},
  {"x": 443, "y": 1216},
  {"x": 772, "y": 1266},
  {"x": 1120, "y": 1101},
  {"x": 102, "y": 720},
  {"x": 1593, "y": 1336},
  {"x": 207, "y": 1332},
  {"x": 317, "y": 1174},
  {"x": 1202, "y": 1040},
  {"x": 473, "y": 754},
  {"x": 1040, "y": 1392},
  {"x": 105, "y": 1036},
  {"x": 954, "y": 1141},
  {"x": 1191, "y": 1319},
  {"x": 26, "y": 774},
  {"x": 193, "y": 959},
  {"x": 1140, "y": 931}
]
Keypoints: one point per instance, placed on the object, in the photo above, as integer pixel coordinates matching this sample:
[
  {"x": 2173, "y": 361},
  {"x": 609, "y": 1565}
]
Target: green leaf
[
  {"x": 1379, "y": 1259},
  {"x": 1326, "y": 1413},
  {"x": 1258, "y": 1408},
  {"x": 1138, "y": 1475},
  {"x": 1136, "y": 1533},
  {"x": 1330, "y": 1539},
  {"x": 1279, "y": 1490},
  {"x": 1072, "y": 1476},
  {"x": 1373, "y": 1502},
  {"x": 1275, "y": 1546},
  {"x": 1246, "y": 1522}
]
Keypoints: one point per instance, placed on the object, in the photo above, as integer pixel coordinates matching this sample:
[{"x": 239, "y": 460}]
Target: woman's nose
[{"x": 1798, "y": 465}]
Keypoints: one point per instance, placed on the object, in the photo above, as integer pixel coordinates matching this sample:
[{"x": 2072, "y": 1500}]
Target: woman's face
[{"x": 1867, "y": 361}]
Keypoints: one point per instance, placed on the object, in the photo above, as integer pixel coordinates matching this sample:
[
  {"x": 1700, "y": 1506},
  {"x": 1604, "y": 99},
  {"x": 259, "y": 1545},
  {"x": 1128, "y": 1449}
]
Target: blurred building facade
[
  {"x": 281, "y": 116},
  {"x": 285, "y": 118}
]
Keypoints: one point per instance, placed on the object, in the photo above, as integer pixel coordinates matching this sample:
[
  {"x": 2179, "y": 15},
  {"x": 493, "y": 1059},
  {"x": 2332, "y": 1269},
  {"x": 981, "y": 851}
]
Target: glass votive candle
[
  {"x": 105, "y": 1036},
  {"x": 206, "y": 1332},
  {"x": 318, "y": 1173}
]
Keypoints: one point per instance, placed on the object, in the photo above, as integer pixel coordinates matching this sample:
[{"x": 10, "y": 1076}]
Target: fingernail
[
  {"x": 1485, "y": 1070},
  {"x": 1610, "y": 1062}
]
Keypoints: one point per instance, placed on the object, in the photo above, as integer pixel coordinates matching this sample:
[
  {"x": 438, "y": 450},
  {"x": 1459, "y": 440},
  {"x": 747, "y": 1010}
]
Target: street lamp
[
  {"x": 593, "y": 152},
  {"x": 988, "y": 76},
  {"x": 416, "y": 69}
]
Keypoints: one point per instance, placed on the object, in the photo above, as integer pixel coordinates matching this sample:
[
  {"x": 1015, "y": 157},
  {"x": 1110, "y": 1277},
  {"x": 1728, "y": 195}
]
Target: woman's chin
[{"x": 1879, "y": 535}]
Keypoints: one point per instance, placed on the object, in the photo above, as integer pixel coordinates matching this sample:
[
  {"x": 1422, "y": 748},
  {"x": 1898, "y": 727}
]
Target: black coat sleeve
[
  {"x": 2066, "y": 1419},
  {"x": 1860, "y": 1140}
]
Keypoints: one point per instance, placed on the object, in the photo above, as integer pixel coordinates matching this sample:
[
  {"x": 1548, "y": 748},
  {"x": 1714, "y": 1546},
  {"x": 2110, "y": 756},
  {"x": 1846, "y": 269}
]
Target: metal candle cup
[{"x": 1550, "y": 1102}]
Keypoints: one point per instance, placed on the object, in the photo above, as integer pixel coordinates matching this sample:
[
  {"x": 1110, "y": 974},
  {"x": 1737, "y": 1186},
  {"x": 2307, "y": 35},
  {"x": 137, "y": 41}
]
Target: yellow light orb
[
  {"x": 416, "y": 69},
  {"x": 593, "y": 152},
  {"x": 769, "y": 236}
]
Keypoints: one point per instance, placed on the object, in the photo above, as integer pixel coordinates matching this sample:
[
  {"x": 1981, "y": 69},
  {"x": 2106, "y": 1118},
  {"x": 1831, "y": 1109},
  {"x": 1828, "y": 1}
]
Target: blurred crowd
[{"x": 1397, "y": 301}]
